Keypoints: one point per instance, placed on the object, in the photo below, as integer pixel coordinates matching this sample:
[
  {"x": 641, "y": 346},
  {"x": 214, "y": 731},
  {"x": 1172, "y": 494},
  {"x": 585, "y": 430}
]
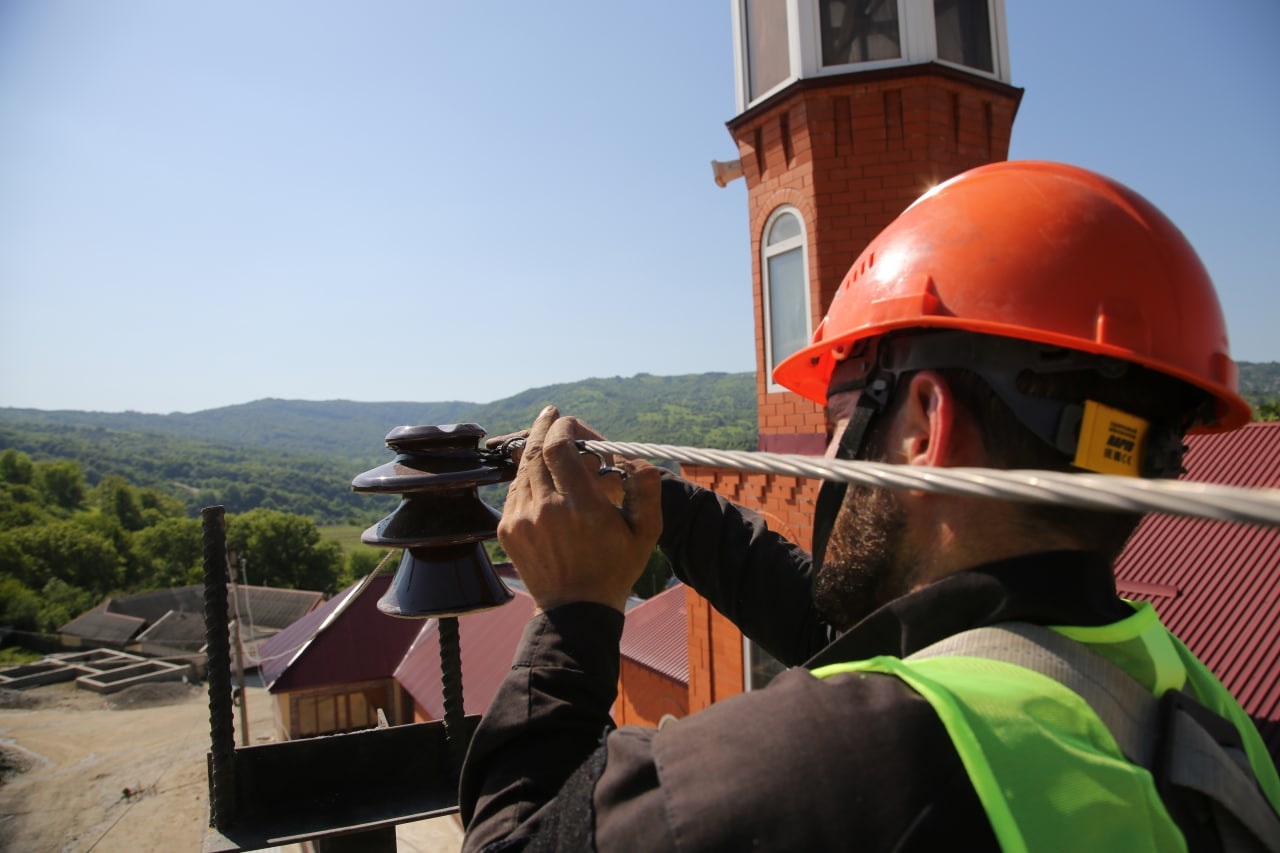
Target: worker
[{"x": 1020, "y": 315}]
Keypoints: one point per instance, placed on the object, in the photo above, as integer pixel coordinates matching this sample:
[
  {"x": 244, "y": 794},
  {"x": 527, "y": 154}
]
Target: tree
[
  {"x": 19, "y": 606},
  {"x": 14, "y": 562},
  {"x": 16, "y": 467},
  {"x": 360, "y": 562},
  {"x": 62, "y": 483},
  {"x": 654, "y": 578},
  {"x": 1267, "y": 410},
  {"x": 285, "y": 550},
  {"x": 60, "y": 603},
  {"x": 68, "y": 551},
  {"x": 156, "y": 505},
  {"x": 169, "y": 553},
  {"x": 21, "y": 505},
  {"x": 116, "y": 498}
]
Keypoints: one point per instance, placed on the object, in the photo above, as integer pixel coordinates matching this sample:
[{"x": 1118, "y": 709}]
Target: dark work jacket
[{"x": 851, "y": 762}]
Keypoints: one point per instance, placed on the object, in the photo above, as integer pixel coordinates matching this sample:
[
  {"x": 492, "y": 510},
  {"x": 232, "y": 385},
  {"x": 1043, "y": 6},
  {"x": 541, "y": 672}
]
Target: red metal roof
[
  {"x": 1217, "y": 585},
  {"x": 344, "y": 641},
  {"x": 656, "y": 634},
  {"x": 488, "y": 639}
]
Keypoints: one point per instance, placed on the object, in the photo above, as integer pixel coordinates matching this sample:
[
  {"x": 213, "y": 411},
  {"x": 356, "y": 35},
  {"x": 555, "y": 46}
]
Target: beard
[{"x": 861, "y": 569}]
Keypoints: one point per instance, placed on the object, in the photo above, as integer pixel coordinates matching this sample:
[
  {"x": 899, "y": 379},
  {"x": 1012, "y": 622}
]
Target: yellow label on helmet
[{"x": 1111, "y": 441}]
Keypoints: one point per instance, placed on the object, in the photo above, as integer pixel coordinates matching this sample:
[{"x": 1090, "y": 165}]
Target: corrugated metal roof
[
  {"x": 100, "y": 625},
  {"x": 176, "y": 630},
  {"x": 656, "y": 634},
  {"x": 1217, "y": 585},
  {"x": 488, "y": 640},
  {"x": 117, "y": 620},
  {"x": 274, "y": 654},
  {"x": 272, "y": 607},
  {"x": 150, "y": 606},
  {"x": 346, "y": 640}
]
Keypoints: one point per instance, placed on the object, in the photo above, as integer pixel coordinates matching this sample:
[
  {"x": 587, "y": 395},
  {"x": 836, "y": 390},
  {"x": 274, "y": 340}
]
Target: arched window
[{"x": 785, "y": 270}]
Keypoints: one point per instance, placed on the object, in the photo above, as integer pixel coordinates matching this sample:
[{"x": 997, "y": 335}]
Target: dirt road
[{"x": 81, "y": 772}]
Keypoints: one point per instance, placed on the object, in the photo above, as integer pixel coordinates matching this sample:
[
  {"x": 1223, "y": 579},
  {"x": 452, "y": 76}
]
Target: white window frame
[
  {"x": 999, "y": 42},
  {"x": 918, "y": 37},
  {"x": 767, "y": 251},
  {"x": 742, "y": 71}
]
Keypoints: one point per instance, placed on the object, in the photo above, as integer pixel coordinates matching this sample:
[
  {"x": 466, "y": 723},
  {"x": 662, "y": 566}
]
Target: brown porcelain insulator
[{"x": 445, "y": 570}]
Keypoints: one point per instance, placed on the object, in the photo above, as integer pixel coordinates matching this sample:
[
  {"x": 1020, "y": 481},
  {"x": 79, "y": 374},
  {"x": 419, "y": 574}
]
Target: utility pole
[{"x": 235, "y": 644}]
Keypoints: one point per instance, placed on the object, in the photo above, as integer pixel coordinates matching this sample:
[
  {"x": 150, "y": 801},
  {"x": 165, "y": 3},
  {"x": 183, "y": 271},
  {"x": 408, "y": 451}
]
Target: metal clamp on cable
[{"x": 517, "y": 443}]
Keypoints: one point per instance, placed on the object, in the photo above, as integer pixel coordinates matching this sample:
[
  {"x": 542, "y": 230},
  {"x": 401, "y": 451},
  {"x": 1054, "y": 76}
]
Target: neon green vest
[{"x": 1046, "y": 769}]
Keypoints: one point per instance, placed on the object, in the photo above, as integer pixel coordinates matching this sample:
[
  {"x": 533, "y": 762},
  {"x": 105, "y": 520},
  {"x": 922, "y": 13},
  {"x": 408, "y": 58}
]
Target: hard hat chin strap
[{"x": 876, "y": 393}]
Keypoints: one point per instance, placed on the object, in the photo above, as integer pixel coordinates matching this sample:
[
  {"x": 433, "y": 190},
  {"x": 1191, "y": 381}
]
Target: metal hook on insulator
[
  {"x": 518, "y": 443},
  {"x": 605, "y": 467}
]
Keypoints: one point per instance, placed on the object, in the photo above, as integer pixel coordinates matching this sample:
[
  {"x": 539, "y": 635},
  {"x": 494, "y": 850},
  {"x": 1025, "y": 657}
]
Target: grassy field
[
  {"x": 16, "y": 656},
  {"x": 347, "y": 536}
]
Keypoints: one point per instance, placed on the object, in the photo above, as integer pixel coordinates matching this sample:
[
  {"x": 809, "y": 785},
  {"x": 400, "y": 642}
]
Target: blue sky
[{"x": 206, "y": 203}]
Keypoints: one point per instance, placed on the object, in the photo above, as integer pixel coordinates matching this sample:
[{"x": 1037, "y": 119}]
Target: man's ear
[{"x": 927, "y": 432}]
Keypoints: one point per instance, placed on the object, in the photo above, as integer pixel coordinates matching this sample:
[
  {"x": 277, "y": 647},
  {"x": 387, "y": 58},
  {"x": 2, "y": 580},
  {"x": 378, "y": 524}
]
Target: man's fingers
[
  {"x": 582, "y": 431},
  {"x": 533, "y": 473},
  {"x": 642, "y": 499},
  {"x": 563, "y": 460},
  {"x": 494, "y": 442}
]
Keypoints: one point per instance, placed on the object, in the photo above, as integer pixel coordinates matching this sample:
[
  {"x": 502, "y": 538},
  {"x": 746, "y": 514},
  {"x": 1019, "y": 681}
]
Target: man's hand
[{"x": 566, "y": 537}]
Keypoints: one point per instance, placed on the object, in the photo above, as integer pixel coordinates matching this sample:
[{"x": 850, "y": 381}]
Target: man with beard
[{"x": 1021, "y": 315}]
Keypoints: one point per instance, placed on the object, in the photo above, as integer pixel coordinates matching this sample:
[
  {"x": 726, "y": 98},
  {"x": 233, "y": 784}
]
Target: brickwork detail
[
  {"x": 715, "y": 644},
  {"x": 850, "y": 157},
  {"x": 645, "y": 696}
]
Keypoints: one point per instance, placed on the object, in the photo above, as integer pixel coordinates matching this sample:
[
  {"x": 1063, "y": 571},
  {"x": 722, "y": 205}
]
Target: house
[
  {"x": 336, "y": 668},
  {"x": 488, "y": 639},
  {"x": 653, "y": 680},
  {"x": 1216, "y": 585},
  {"x": 170, "y": 622},
  {"x": 332, "y": 670}
]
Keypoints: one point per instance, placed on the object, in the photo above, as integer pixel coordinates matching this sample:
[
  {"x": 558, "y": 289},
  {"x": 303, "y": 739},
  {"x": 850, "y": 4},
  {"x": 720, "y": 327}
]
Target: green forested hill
[
  {"x": 1260, "y": 380},
  {"x": 299, "y": 456},
  {"x": 201, "y": 474},
  {"x": 331, "y": 427},
  {"x": 717, "y": 409},
  {"x": 707, "y": 410}
]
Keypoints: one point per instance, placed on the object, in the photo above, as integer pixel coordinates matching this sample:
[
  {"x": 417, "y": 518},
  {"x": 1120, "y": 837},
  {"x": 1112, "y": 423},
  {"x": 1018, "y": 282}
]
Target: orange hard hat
[{"x": 1041, "y": 252}]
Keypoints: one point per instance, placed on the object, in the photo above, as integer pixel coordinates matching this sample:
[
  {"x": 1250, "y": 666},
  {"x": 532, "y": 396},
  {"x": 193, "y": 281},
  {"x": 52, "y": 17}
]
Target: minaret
[{"x": 848, "y": 110}]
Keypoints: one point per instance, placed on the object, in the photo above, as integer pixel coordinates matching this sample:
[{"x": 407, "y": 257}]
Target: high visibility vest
[{"x": 1046, "y": 769}]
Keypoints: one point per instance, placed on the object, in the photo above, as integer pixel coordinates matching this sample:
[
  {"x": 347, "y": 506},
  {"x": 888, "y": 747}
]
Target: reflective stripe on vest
[{"x": 1045, "y": 768}]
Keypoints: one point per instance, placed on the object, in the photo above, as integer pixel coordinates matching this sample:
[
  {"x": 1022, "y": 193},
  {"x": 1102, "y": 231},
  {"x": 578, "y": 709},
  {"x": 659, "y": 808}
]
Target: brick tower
[{"x": 848, "y": 110}]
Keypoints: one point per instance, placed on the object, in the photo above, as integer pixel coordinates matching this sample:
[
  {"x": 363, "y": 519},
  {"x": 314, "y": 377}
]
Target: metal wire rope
[{"x": 1090, "y": 491}]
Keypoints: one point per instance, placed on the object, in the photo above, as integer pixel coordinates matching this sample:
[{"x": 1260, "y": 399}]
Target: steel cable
[{"x": 1090, "y": 491}]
